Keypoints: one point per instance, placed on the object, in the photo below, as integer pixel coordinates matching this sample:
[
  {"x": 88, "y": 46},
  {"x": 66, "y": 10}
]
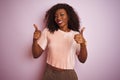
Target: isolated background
[{"x": 100, "y": 17}]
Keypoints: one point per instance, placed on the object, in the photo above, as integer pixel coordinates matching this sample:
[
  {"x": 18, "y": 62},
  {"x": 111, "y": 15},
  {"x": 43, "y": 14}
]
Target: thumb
[
  {"x": 35, "y": 26},
  {"x": 82, "y": 30}
]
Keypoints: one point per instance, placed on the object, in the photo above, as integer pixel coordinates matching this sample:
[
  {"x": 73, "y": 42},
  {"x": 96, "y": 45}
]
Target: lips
[{"x": 59, "y": 22}]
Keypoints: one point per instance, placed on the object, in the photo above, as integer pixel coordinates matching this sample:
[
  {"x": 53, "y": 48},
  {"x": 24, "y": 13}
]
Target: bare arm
[
  {"x": 83, "y": 50},
  {"x": 83, "y": 53},
  {"x": 36, "y": 49}
]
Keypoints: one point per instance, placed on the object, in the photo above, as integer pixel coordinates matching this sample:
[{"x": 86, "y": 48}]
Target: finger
[
  {"x": 35, "y": 26},
  {"x": 82, "y": 30}
]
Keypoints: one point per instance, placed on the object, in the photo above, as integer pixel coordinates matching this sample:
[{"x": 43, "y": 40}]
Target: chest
[{"x": 60, "y": 39}]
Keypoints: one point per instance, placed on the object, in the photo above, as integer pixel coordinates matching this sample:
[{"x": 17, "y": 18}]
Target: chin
[{"x": 61, "y": 26}]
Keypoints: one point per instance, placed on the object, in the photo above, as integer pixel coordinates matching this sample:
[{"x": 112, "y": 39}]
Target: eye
[{"x": 62, "y": 14}]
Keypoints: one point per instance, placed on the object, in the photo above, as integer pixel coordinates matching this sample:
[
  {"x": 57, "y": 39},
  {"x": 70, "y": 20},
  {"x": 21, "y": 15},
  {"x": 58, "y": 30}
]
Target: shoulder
[
  {"x": 74, "y": 32},
  {"x": 45, "y": 30}
]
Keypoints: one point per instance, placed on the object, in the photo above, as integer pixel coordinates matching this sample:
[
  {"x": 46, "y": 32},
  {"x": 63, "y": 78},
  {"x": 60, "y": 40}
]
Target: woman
[{"x": 63, "y": 42}]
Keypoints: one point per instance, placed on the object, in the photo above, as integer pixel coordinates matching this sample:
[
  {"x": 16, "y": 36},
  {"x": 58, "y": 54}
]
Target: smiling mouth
[{"x": 59, "y": 22}]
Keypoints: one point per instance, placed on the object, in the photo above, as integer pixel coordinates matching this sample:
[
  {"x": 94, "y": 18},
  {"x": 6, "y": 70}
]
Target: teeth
[{"x": 60, "y": 22}]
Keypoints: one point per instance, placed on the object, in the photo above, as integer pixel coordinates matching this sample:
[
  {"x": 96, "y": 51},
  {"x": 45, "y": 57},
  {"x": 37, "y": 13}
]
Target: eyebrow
[{"x": 61, "y": 13}]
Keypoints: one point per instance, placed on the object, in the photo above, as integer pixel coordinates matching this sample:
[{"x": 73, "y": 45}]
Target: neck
[{"x": 65, "y": 29}]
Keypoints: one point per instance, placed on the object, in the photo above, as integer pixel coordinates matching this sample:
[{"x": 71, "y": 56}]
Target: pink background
[{"x": 100, "y": 17}]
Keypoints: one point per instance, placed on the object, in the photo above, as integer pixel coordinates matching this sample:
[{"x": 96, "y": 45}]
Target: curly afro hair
[{"x": 73, "y": 22}]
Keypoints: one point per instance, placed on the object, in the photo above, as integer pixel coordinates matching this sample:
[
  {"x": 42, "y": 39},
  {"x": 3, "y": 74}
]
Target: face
[{"x": 61, "y": 18}]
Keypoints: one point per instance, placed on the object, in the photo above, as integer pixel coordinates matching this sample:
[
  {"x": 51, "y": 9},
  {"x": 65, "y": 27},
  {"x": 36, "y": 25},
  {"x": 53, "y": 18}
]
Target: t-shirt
[{"x": 61, "y": 48}]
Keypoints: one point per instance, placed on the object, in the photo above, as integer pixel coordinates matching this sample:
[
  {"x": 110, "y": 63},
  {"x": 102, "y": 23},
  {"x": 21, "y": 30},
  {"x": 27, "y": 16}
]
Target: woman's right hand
[{"x": 37, "y": 32}]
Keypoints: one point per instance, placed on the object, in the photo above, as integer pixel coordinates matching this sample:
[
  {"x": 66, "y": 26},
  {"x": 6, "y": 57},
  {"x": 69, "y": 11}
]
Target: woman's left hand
[{"x": 79, "y": 38}]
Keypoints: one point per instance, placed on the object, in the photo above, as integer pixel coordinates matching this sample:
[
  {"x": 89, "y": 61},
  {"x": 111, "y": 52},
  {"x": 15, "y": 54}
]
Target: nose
[{"x": 58, "y": 17}]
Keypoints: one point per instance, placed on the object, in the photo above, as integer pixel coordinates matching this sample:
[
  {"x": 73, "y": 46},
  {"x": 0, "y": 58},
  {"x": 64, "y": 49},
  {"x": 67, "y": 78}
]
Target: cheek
[
  {"x": 55, "y": 19},
  {"x": 65, "y": 19}
]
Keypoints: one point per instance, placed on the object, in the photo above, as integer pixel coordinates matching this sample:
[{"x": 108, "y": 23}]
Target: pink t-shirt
[{"x": 61, "y": 48}]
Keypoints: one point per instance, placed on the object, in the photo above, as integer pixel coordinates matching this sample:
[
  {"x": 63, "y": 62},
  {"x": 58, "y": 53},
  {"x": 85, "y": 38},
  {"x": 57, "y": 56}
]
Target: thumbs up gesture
[
  {"x": 37, "y": 32},
  {"x": 79, "y": 38}
]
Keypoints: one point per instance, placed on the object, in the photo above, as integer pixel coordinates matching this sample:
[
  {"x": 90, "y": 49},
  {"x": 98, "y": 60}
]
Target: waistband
[{"x": 57, "y": 69}]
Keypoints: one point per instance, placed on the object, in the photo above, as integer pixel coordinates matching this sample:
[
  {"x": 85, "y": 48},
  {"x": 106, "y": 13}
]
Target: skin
[
  {"x": 36, "y": 49},
  {"x": 61, "y": 18}
]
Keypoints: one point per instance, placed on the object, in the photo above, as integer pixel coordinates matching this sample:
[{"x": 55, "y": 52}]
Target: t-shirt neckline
[{"x": 64, "y": 31}]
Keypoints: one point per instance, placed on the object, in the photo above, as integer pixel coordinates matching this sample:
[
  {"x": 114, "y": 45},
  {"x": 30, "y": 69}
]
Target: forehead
[{"x": 60, "y": 11}]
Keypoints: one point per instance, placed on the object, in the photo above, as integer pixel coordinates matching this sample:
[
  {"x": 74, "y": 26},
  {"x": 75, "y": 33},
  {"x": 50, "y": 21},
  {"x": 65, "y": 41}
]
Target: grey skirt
[{"x": 53, "y": 73}]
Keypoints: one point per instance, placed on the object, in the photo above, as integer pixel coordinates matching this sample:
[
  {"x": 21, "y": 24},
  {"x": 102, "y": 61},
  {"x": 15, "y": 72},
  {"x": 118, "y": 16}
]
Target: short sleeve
[
  {"x": 77, "y": 49},
  {"x": 42, "y": 41},
  {"x": 77, "y": 46}
]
